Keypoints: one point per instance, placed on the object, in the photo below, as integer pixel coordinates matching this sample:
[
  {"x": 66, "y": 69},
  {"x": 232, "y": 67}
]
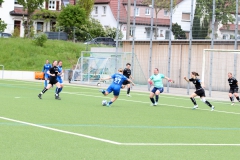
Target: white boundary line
[{"x": 113, "y": 142}]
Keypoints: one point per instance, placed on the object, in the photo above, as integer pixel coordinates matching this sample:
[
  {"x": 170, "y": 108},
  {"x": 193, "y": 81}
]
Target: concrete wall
[{"x": 24, "y": 75}]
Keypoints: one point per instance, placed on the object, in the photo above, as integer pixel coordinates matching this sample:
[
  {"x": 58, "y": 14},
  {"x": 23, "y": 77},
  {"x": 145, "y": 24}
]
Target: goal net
[
  {"x": 216, "y": 64},
  {"x": 92, "y": 66}
]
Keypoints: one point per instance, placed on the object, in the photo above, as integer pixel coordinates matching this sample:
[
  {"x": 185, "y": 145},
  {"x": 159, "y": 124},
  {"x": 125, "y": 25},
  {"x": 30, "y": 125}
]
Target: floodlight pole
[
  {"x": 117, "y": 35},
  {"x": 133, "y": 39},
  {"x": 212, "y": 46},
  {"x": 236, "y": 41},
  {"x": 150, "y": 52},
  {"x": 170, "y": 45},
  {"x": 190, "y": 47}
]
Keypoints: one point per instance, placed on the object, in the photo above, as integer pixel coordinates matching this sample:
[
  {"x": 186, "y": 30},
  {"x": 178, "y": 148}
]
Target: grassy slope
[{"x": 22, "y": 54}]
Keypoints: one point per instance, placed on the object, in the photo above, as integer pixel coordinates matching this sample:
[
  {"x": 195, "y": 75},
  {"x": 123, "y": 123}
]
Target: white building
[
  {"x": 182, "y": 15},
  {"x": 106, "y": 12},
  {"x": 13, "y": 14}
]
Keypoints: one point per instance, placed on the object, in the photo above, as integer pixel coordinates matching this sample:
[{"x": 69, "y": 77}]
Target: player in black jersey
[
  {"x": 233, "y": 83},
  {"x": 53, "y": 72},
  {"x": 199, "y": 90},
  {"x": 127, "y": 73}
]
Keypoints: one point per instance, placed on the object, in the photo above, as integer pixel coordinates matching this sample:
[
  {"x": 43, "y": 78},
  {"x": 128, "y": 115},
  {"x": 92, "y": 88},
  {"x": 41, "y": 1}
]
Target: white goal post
[{"x": 227, "y": 62}]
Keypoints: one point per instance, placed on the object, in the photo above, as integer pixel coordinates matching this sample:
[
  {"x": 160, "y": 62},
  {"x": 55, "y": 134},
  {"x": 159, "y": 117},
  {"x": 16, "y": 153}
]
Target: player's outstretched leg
[
  {"x": 194, "y": 102},
  {"x": 41, "y": 93},
  {"x": 208, "y": 103}
]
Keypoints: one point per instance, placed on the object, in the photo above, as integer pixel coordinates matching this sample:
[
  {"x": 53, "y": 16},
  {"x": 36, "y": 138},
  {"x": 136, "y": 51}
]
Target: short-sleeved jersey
[
  {"x": 46, "y": 68},
  {"x": 53, "y": 70},
  {"x": 127, "y": 72},
  {"x": 157, "y": 79},
  {"x": 233, "y": 82},
  {"x": 60, "y": 71},
  {"x": 196, "y": 82},
  {"x": 118, "y": 79}
]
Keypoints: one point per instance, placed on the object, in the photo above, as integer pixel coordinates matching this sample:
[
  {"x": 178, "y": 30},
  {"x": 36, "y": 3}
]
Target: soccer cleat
[
  {"x": 128, "y": 95},
  {"x": 39, "y": 96},
  {"x": 232, "y": 103},
  {"x": 155, "y": 104},
  {"x": 212, "y": 108},
  {"x": 195, "y": 107},
  {"x": 108, "y": 105},
  {"x": 57, "y": 97}
]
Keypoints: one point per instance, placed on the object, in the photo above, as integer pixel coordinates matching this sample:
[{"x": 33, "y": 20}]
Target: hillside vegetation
[{"x": 22, "y": 54}]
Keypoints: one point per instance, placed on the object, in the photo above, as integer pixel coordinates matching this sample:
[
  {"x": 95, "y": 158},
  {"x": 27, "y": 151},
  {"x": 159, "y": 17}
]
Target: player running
[
  {"x": 59, "y": 76},
  {"x": 156, "y": 81},
  {"x": 127, "y": 73},
  {"x": 53, "y": 72},
  {"x": 45, "y": 69},
  {"x": 199, "y": 91},
  {"x": 118, "y": 79},
  {"x": 233, "y": 83}
]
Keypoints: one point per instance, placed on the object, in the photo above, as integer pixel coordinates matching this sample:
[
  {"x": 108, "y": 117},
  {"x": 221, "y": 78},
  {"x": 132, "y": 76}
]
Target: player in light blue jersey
[
  {"x": 45, "y": 69},
  {"x": 115, "y": 87},
  {"x": 156, "y": 81},
  {"x": 60, "y": 76}
]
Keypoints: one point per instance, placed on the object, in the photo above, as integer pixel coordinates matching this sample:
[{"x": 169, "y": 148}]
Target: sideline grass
[
  {"x": 129, "y": 121},
  {"x": 21, "y": 54}
]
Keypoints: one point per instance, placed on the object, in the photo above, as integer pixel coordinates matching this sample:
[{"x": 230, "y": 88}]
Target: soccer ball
[{"x": 104, "y": 102}]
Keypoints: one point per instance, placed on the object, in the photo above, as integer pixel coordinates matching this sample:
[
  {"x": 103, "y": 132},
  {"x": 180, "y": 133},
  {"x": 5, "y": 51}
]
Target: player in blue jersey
[
  {"x": 60, "y": 76},
  {"x": 45, "y": 69},
  {"x": 156, "y": 81},
  {"x": 115, "y": 87}
]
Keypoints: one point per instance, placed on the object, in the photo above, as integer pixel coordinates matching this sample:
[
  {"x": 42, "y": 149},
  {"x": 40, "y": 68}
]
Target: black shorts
[
  {"x": 200, "y": 92},
  {"x": 126, "y": 82},
  {"x": 53, "y": 80},
  {"x": 233, "y": 90}
]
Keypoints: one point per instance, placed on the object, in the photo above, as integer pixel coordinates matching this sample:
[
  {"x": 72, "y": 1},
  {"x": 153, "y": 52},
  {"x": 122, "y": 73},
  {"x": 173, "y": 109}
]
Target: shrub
[
  {"x": 16, "y": 32},
  {"x": 40, "y": 39}
]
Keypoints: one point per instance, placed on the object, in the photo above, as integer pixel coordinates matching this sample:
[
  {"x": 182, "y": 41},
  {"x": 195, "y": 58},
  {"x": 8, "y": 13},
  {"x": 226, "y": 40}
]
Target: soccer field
[{"x": 79, "y": 127}]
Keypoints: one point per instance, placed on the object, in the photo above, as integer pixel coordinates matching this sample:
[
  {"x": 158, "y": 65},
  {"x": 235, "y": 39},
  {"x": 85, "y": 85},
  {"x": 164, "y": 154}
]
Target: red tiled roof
[
  {"x": 140, "y": 2},
  {"x": 230, "y": 27},
  {"x": 147, "y": 21},
  {"x": 18, "y": 11}
]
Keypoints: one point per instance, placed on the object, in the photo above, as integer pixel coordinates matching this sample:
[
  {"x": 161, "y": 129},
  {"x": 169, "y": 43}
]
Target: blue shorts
[
  {"x": 115, "y": 89},
  {"x": 59, "y": 79},
  {"x": 46, "y": 76},
  {"x": 161, "y": 89}
]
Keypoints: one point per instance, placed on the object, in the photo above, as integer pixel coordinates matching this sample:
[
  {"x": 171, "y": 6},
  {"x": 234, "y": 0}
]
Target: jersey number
[{"x": 117, "y": 80}]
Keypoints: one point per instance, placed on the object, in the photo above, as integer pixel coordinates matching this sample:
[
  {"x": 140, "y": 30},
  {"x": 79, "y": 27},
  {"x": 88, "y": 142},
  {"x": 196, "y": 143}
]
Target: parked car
[
  {"x": 102, "y": 40},
  {"x": 5, "y": 35}
]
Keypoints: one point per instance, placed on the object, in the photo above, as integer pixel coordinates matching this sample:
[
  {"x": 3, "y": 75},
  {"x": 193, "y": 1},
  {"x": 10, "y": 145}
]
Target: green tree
[
  {"x": 158, "y": 6},
  {"x": 224, "y": 10},
  {"x": 30, "y": 6},
  {"x": 72, "y": 18},
  {"x": 178, "y": 32},
  {"x": 3, "y": 26},
  {"x": 87, "y": 5},
  {"x": 1, "y": 1},
  {"x": 111, "y": 32}
]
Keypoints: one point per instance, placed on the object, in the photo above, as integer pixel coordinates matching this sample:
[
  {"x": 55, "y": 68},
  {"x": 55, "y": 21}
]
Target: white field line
[
  {"x": 113, "y": 142},
  {"x": 87, "y": 95},
  {"x": 135, "y": 92},
  {"x": 59, "y": 130},
  {"x": 149, "y": 103}
]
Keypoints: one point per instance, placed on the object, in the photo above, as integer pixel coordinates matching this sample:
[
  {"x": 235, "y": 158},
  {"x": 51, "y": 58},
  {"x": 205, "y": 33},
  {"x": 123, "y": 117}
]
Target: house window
[
  {"x": 137, "y": 12},
  {"x": 167, "y": 35},
  {"x": 104, "y": 10},
  {"x": 147, "y": 11},
  {"x": 39, "y": 26},
  {"x": 16, "y": 2},
  {"x": 51, "y": 5},
  {"x": 185, "y": 16},
  {"x": 166, "y": 13},
  {"x": 96, "y": 10},
  {"x": 225, "y": 36},
  {"x": 131, "y": 31}
]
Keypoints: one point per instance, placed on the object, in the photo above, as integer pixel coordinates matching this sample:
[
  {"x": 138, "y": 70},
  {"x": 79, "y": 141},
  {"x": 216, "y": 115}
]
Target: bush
[
  {"x": 40, "y": 39},
  {"x": 16, "y": 32}
]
